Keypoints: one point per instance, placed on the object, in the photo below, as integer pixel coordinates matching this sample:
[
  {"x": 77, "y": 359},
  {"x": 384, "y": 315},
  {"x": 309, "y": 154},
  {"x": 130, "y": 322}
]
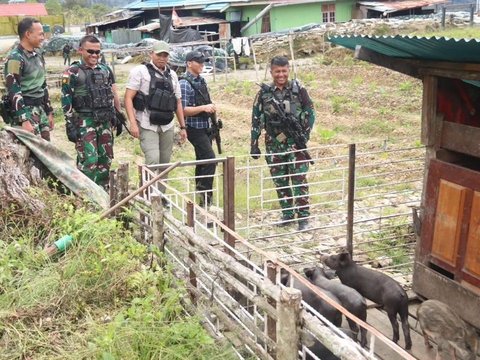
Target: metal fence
[
  {"x": 360, "y": 195},
  {"x": 239, "y": 293},
  {"x": 361, "y": 198}
]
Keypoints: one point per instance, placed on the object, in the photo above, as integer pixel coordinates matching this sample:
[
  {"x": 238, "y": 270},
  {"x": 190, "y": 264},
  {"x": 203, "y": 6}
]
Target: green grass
[
  {"x": 101, "y": 300},
  {"x": 458, "y": 33}
]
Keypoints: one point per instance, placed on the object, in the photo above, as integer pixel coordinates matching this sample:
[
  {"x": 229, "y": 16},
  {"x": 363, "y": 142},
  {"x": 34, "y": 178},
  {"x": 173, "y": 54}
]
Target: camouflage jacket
[
  {"x": 25, "y": 77},
  {"x": 74, "y": 82},
  {"x": 263, "y": 116}
]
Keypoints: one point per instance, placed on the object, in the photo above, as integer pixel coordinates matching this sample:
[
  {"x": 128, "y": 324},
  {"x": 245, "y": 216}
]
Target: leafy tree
[{"x": 54, "y": 7}]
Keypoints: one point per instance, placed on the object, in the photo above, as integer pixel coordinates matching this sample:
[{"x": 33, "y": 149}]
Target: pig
[
  {"x": 328, "y": 311},
  {"x": 455, "y": 338},
  {"x": 349, "y": 298},
  {"x": 377, "y": 287}
]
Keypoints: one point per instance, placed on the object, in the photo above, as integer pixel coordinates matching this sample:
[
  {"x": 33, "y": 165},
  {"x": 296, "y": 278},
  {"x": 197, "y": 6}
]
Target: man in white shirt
[{"x": 150, "y": 107}]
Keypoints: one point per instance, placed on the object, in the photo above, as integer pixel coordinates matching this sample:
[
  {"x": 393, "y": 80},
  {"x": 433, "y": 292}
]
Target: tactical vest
[
  {"x": 98, "y": 97},
  {"x": 33, "y": 76},
  {"x": 202, "y": 97},
  {"x": 290, "y": 101},
  {"x": 161, "y": 100}
]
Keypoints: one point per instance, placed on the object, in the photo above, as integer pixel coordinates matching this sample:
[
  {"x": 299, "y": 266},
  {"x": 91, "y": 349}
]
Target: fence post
[
  {"x": 229, "y": 200},
  {"x": 351, "y": 197},
  {"x": 288, "y": 329},
  {"x": 191, "y": 256},
  {"x": 472, "y": 10},
  {"x": 158, "y": 238},
  {"x": 111, "y": 188},
  {"x": 143, "y": 218},
  {"x": 271, "y": 325},
  {"x": 444, "y": 14}
]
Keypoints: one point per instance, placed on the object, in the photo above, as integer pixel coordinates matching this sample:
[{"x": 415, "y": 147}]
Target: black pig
[
  {"x": 328, "y": 311},
  {"x": 377, "y": 287},
  {"x": 349, "y": 298}
]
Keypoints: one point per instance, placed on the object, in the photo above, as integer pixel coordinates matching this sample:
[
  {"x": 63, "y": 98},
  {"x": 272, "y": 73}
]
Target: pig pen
[{"x": 235, "y": 284}]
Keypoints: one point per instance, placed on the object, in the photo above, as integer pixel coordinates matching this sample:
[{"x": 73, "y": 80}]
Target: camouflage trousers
[
  {"x": 289, "y": 174},
  {"x": 38, "y": 118},
  {"x": 94, "y": 149}
]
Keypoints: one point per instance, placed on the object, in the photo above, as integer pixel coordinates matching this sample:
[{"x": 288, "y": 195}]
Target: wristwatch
[{"x": 182, "y": 127}]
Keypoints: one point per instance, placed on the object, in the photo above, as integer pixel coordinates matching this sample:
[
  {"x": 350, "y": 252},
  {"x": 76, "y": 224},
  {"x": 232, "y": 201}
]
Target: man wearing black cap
[{"x": 198, "y": 108}]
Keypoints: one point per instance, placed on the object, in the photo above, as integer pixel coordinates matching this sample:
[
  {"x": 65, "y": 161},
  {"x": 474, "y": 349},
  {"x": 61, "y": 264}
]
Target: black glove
[
  {"x": 255, "y": 152},
  {"x": 72, "y": 132}
]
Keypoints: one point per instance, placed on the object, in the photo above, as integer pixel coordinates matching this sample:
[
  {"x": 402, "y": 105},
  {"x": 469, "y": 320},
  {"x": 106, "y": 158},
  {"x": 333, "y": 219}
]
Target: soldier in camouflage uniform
[
  {"x": 288, "y": 169},
  {"x": 89, "y": 95},
  {"x": 26, "y": 83}
]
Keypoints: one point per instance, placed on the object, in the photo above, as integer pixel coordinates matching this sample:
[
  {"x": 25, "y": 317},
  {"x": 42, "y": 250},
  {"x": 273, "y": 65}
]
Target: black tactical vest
[
  {"x": 98, "y": 98},
  {"x": 162, "y": 101},
  {"x": 202, "y": 97},
  {"x": 290, "y": 102}
]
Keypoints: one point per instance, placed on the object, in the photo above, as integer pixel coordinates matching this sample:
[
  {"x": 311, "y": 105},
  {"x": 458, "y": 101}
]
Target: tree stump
[{"x": 17, "y": 174}]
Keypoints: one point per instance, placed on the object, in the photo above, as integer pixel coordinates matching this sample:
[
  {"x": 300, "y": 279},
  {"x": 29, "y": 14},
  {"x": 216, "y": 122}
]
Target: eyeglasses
[{"x": 91, "y": 52}]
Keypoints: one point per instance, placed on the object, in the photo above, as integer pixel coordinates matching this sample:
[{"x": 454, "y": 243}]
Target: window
[{"x": 328, "y": 13}]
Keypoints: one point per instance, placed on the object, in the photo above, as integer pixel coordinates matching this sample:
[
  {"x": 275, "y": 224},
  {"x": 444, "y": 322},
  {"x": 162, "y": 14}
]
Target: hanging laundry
[
  {"x": 237, "y": 45},
  {"x": 246, "y": 46}
]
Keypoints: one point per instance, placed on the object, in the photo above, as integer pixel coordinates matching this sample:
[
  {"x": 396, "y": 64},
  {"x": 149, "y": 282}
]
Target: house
[
  {"x": 12, "y": 13},
  {"x": 447, "y": 256},
  {"x": 223, "y": 17}
]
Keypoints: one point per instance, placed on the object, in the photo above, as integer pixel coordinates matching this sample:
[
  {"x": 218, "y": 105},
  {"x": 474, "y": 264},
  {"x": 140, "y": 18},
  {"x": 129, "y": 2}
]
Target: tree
[{"x": 54, "y": 7}]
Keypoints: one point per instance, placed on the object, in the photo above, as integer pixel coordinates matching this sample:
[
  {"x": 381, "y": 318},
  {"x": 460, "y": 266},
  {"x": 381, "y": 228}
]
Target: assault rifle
[
  {"x": 291, "y": 127},
  {"x": 217, "y": 124}
]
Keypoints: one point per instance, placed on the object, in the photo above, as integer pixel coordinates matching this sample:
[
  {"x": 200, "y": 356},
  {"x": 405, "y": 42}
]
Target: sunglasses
[{"x": 91, "y": 52}]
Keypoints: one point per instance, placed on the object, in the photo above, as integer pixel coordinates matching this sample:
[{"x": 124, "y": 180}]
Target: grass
[{"x": 101, "y": 300}]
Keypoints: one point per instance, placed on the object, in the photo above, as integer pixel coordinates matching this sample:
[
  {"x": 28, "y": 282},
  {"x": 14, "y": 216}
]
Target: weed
[
  {"x": 405, "y": 86},
  {"x": 98, "y": 300}
]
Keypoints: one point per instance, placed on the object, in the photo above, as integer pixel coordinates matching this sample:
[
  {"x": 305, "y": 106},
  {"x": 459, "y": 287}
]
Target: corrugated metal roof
[
  {"x": 413, "y": 47},
  {"x": 216, "y": 7},
  {"x": 130, "y": 15},
  {"x": 185, "y": 21},
  {"x": 387, "y": 7},
  {"x": 178, "y": 4},
  {"x": 30, "y": 9}
]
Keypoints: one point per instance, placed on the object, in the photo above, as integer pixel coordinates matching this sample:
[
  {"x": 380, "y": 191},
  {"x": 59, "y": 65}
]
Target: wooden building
[{"x": 447, "y": 258}]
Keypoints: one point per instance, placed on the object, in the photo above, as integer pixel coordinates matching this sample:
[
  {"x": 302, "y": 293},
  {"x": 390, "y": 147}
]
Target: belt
[{"x": 29, "y": 101}]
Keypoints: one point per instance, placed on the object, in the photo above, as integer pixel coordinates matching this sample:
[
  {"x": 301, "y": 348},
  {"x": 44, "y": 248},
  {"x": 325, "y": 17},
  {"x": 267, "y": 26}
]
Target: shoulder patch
[
  {"x": 65, "y": 79},
  {"x": 13, "y": 67}
]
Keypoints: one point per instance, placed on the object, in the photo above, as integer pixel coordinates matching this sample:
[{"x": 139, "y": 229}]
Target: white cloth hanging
[
  {"x": 237, "y": 45},
  {"x": 246, "y": 46}
]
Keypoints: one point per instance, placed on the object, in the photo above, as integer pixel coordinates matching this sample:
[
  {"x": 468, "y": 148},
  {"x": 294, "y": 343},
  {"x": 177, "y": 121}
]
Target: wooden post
[
  {"x": 111, "y": 188},
  {"x": 444, "y": 14},
  {"x": 214, "y": 65},
  {"x": 351, "y": 197},
  {"x": 122, "y": 182},
  {"x": 113, "y": 63},
  {"x": 229, "y": 200},
  {"x": 191, "y": 256},
  {"x": 288, "y": 329},
  {"x": 143, "y": 234},
  {"x": 292, "y": 54},
  {"x": 122, "y": 191},
  {"x": 255, "y": 65},
  {"x": 271, "y": 325},
  {"x": 158, "y": 235}
]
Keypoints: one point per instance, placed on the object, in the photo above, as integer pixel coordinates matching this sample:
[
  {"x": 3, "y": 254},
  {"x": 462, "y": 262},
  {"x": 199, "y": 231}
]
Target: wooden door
[{"x": 450, "y": 238}]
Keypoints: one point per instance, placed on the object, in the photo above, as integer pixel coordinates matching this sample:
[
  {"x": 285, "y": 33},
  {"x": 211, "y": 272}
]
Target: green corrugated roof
[{"x": 413, "y": 47}]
